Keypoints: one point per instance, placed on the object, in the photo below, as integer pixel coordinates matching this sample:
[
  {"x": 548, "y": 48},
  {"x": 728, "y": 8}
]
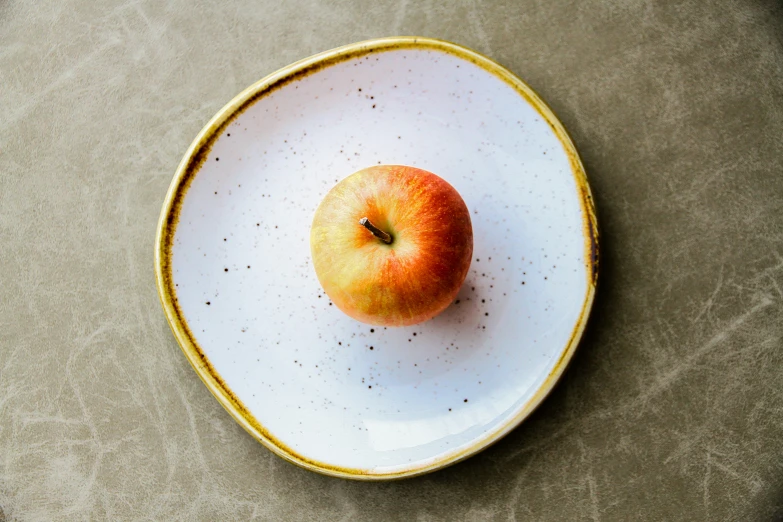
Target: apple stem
[{"x": 377, "y": 232}]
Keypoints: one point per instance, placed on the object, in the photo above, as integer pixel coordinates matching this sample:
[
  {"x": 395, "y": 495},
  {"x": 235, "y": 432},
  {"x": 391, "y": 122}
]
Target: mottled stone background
[{"x": 673, "y": 406}]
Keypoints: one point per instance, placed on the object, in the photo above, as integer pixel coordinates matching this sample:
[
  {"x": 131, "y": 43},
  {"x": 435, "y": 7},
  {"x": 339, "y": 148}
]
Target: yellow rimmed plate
[{"x": 317, "y": 388}]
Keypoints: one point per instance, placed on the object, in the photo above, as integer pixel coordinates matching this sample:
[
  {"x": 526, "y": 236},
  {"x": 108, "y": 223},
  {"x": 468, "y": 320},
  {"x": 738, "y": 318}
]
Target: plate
[{"x": 317, "y": 388}]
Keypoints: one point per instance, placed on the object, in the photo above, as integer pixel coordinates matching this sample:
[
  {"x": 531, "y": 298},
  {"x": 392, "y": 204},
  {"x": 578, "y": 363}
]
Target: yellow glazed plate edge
[{"x": 194, "y": 158}]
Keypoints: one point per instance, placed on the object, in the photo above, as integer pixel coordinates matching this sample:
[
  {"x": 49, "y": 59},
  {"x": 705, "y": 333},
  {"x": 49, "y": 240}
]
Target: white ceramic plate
[{"x": 316, "y": 387}]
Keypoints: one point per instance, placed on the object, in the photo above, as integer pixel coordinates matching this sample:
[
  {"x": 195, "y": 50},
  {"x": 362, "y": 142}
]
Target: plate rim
[{"x": 197, "y": 153}]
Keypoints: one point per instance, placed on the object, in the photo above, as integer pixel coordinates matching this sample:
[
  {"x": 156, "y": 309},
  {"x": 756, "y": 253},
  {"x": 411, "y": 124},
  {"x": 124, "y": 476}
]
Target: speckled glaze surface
[{"x": 317, "y": 387}]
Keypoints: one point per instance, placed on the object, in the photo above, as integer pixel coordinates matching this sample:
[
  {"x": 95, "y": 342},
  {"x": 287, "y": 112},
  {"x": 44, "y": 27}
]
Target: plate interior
[{"x": 347, "y": 394}]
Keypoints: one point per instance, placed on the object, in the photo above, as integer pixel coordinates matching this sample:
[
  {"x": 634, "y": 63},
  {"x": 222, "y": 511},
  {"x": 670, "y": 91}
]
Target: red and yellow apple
[{"x": 392, "y": 245}]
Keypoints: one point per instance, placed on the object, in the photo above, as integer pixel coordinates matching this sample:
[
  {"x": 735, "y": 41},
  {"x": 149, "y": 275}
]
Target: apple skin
[{"x": 414, "y": 278}]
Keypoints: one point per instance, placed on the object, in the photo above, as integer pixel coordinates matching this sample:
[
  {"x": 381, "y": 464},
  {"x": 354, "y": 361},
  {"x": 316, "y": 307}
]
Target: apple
[{"x": 392, "y": 245}]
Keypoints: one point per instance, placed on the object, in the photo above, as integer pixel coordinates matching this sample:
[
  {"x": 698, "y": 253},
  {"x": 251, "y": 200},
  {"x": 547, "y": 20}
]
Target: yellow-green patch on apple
[{"x": 392, "y": 245}]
